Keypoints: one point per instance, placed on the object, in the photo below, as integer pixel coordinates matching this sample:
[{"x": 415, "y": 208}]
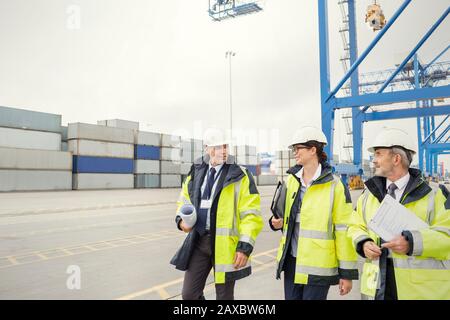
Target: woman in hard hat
[{"x": 314, "y": 250}]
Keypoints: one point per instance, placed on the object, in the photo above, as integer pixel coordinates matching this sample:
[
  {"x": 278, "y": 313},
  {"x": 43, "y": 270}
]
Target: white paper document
[{"x": 392, "y": 218}]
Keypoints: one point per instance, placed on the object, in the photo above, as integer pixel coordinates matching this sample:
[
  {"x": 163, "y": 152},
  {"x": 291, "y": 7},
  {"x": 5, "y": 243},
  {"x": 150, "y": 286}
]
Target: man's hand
[
  {"x": 345, "y": 286},
  {"x": 371, "y": 250},
  {"x": 240, "y": 260},
  {"x": 399, "y": 245},
  {"x": 277, "y": 223},
  {"x": 184, "y": 227}
]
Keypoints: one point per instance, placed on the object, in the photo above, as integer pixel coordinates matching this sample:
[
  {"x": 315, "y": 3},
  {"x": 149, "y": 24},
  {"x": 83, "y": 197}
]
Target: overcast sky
[{"x": 162, "y": 62}]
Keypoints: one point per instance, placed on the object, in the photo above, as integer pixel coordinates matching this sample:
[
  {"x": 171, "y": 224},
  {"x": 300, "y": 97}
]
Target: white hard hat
[
  {"x": 188, "y": 215},
  {"x": 393, "y": 137},
  {"x": 216, "y": 137},
  {"x": 306, "y": 134}
]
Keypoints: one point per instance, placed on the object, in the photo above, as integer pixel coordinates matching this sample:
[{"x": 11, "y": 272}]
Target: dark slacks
[
  {"x": 294, "y": 291},
  {"x": 391, "y": 287},
  {"x": 199, "y": 267}
]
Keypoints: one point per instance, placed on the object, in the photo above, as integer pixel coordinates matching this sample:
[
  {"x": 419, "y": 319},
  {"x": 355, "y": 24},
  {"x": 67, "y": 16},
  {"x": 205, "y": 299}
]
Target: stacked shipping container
[
  {"x": 170, "y": 161},
  {"x": 102, "y": 156},
  {"x": 246, "y": 156},
  {"x": 147, "y": 154},
  {"x": 30, "y": 156},
  {"x": 284, "y": 161}
]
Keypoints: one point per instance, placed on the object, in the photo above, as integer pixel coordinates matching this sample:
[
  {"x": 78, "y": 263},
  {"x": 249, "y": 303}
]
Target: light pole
[{"x": 228, "y": 56}]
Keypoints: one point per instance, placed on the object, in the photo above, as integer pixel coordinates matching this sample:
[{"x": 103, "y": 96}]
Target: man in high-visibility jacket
[
  {"x": 227, "y": 205},
  {"x": 415, "y": 264}
]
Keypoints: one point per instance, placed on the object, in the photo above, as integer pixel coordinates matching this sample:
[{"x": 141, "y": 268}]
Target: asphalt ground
[{"x": 112, "y": 245}]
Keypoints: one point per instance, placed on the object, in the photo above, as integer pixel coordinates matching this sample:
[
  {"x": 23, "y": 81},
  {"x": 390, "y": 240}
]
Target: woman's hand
[{"x": 277, "y": 223}]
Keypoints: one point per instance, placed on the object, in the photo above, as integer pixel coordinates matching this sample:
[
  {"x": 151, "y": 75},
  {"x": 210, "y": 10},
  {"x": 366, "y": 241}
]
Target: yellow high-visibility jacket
[
  {"x": 424, "y": 273},
  {"x": 325, "y": 253}
]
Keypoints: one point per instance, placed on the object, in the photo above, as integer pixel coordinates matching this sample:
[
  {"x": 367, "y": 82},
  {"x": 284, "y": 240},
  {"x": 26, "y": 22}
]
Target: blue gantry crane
[{"x": 411, "y": 81}]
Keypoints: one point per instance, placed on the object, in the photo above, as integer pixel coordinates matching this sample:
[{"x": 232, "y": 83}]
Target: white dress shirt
[
  {"x": 401, "y": 186},
  {"x": 303, "y": 189}
]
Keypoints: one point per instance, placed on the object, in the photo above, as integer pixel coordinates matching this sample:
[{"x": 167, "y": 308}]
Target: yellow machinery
[
  {"x": 375, "y": 17},
  {"x": 356, "y": 183}
]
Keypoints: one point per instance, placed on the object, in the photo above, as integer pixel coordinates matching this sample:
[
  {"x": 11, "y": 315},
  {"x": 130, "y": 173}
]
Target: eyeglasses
[{"x": 298, "y": 147}]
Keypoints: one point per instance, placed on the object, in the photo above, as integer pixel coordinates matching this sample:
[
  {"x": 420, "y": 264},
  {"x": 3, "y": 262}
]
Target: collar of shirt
[
  {"x": 218, "y": 167},
  {"x": 400, "y": 183},
  {"x": 316, "y": 175}
]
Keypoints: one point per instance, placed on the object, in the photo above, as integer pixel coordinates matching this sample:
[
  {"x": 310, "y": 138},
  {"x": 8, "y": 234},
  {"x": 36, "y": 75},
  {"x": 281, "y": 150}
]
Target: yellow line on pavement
[
  {"x": 42, "y": 256},
  {"x": 162, "y": 286},
  {"x": 152, "y": 289},
  {"x": 163, "y": 294},
  {"x": 90, "y": 246},
  {"x": 12, "y": 260}
]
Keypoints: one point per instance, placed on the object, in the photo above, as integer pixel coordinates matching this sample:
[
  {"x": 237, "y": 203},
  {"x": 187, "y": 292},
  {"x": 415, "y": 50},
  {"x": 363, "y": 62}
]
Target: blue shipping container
[
  {"x": 252, "y": 169},
  {"x": 142, "y": 152},
  {"x": 85, "y": 164}
]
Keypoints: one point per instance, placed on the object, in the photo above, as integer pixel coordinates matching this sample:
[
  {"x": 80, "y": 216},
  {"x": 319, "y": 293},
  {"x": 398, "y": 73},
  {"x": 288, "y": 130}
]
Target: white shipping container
[
  {"x": 101, "y": 149},
  {"x": 267, "y": 180},
  {"x": 292, "y": 162},
  {"x": 246, "y": 160},
  {"x": 197, "y": 145},
  {"x": 29, "y": 120},
  {"x": 35, "y": 180},
  {"x": 279, "y": 171},
  {"x": 146, "y": 166},
  {"x": 186, "y": 146},
  {"x": 245, "y": 150},
  {"x": 240, "y": 150},
  {"x": 185, "y": 168},
  {"x": 170, "y": 181},
  {"x": 170, "y": 154},
  {"x": 118, "y": 123},
  {"x": 146, "y": 181},
  {"x": 252, "y": 160},
  {"x": 148, "y": 138},
  {"x": 28, "y": 139},
  {"x": 241, "y": 160},
  {"x": 278, "y": 163},
  {"x": 286, "y": 154},
  {"x": 86, "y": 181},
  {"x": 187, "y": 156},
  {"x": 282, "y": 177},
  {"x": 168, "y": 140},
  {"x": 100, "y": 133},
  {"x": 64, "y": 131},
  {"x": 11, "y": 158},
  {"x": 197, "y": 155},
  {"x": 169, "y": 167}
]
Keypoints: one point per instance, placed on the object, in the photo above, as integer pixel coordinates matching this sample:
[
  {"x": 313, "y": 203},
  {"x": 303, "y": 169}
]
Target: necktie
[
  {"x": 209, "y": 184},
  {"x": 200, "y": 226},
  {"x": 391, "y": 190}
]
